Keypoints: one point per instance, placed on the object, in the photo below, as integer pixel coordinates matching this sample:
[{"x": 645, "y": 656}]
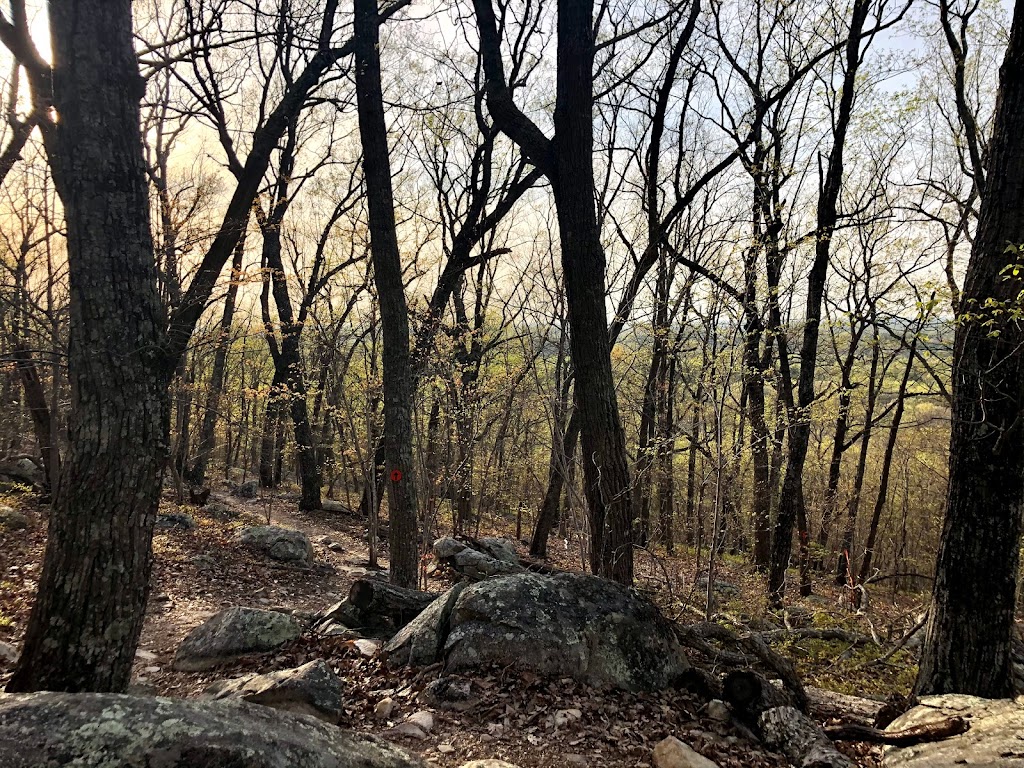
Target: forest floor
[{"x": 198, "y": 572}]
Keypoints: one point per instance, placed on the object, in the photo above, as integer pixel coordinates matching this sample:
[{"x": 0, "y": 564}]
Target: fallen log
[
  {"x": 769, "y": 710},
  {"x": 800, "y": 739},
  {"x": 908, "y": 737},
  {"x": 375, "y": 607},
  {"x": 380, "y": 600}
]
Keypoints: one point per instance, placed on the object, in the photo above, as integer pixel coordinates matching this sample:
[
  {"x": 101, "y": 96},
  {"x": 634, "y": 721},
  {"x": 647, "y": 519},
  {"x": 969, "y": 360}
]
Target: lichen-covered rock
[
  {"x": 218, "y": 510},
  {"x": 562, "y": 625},
  {"x": 500, "y": 549},
  {"x": 994, "y": 740},
  {"x": 172, "y": 521},
  {"x": 421, "y": 641},
  {"x": 312, "y": 689},
  {"x": 102, "y": 730},
  {"x": 283, "y": 544},
  {"x": 232, "y": 633},
  {"x": 12, "y": 520},
  {"x": 250, "y": 489},
  {"x": 473, "y": 563}
]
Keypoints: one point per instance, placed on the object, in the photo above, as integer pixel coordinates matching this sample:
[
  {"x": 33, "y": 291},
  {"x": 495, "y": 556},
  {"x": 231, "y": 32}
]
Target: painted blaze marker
[{"x": 396, "y": 475}]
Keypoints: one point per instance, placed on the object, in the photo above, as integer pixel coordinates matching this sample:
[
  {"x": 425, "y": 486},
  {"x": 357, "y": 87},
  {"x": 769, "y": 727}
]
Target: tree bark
[
  {"x": 968, "y": 644},
  {"x": 387, "y": 272},
  {"x": 88, "y": 615}
]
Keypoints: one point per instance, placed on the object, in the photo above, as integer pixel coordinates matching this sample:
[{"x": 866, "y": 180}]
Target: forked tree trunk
[
  {"x": 88, "y": 615},
  {"x": 968, "y": 642}
]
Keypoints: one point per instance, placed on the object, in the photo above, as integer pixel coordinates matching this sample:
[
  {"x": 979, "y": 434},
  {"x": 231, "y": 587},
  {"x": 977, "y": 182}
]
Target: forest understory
[{"x": 537, "y": 722}]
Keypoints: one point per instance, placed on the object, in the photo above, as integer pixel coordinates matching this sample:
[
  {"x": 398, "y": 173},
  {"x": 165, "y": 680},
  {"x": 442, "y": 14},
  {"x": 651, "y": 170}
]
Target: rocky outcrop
[
  {"x": 562, "y": 625},
  {"x": 993, "y": 741},
  {"x": 232, "y": 633},
  {"x": 282, "y": 544},
  {"x": 496, "y": 557},
  {"x": 93, "y": 730},
  {"x": 312, "y": 689}
]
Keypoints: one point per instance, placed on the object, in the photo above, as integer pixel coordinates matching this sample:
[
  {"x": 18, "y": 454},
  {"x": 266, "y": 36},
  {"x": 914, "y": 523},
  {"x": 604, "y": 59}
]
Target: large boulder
[
  {"x": 283, "y": 544},
  {"x": 312, "y": 689},
  {"x": 995, "y": 740},
  {"x": 103, "y": 730},
  {"x": 250, "y": 489},
  {"x": 232, "y": 633},
  {"x": 562, "y": 625}
]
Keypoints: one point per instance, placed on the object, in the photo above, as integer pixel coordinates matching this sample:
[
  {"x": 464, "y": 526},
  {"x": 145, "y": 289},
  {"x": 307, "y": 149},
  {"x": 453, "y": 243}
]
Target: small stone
[
  {"x": 445, "y": 749},
  {"x": 384, "y": 708},
  {"x": 335, "y": 547},
  {"x": 672, "y": 753},
  {"x": 366, "y": 647},
  {"x": 411, "y": 730},
  {"x": 422, "y": 719},
  {"x": 145, "y": 655},
  {"x": 488, "y": 764},
  {"x": 151, "y": 670},
  {"x": 283, "y": 544},
  {"x": 719, "y": 710}
]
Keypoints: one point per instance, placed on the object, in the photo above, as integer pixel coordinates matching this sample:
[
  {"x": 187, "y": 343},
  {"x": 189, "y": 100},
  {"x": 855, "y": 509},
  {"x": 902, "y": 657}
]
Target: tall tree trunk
[
  {"x": 387, "y": 273},
  {"x": 666, "y": 454},
  {"x": 563, "y": 448},
  {"x": 602, "y": 439},
  {"x": 85, "y": 624},
  {"x": 792, "y": 508},
  {"x": 968, "y": 640},
  {"x": 211, "y": 410},
  {"x": 883, "y": 480},
  {"x": 42, "y": 424}
]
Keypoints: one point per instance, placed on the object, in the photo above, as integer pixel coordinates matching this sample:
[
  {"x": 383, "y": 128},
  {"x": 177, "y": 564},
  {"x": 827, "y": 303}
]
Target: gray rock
[
  {"x": 673, "y": 753},
  {"x": 471, "y": 563},
  {"x": 421, "y": 641},
  {"x": 282, "y": 544},
  {"x": 8, "y": 653},
  {"x": 562, "y": 625},
  {"x": 722, "y": 587},
  {"x": 175, "y": 521},
  {"x": 232, "y": 633},
  {"x": 102, "y": 730},
  {"x": 218, "y": 510},
  {"x": 335, "y": 507},
  {"x": 250, "y": 489},
  {"x": 995, "y": 740},
  {"x": 12, "y": 520},
  {"x": 312, "y": 689},
  {"x": 500, "y": 549}
]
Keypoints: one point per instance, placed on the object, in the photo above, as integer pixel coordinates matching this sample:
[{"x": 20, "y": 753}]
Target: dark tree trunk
[
  {"x": 86, "y": 621},
  {"x": 289, "y": 366},
  {"x": 967, "y": 647},
  {"x": 567, "y": 160},
  {"x": 563, "y": 449},
  {"x": 602, "y": 440},
  {"x": 387, "y": 272},
  {"x": 39, "y": 410},
  {"x": 208, "y": 430},
  {"x": 883, "y": 480},
  {"x": 791, "y": 504},
  {"x": 844, "y": 564},
  {"x": 666, "y": 453}
]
